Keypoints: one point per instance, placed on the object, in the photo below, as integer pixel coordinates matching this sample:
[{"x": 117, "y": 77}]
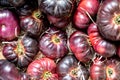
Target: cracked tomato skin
[
  {"x": 108, "y": 20},
  {"x": 80, "y": 46},
  {"x": 21, "y": 52},
  {"x": 69, "y": 69},
  {"x": 100, "y": 45},
  {"x": 42, "y": 69},
  {"x": 53, "y": 43}
]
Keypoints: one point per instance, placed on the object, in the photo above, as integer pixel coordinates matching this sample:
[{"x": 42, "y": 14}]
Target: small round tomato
[{"x": 42, "y": 69}]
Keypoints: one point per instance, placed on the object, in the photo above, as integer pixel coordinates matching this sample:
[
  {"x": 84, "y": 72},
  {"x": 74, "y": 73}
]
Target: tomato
[
  {"x": 101, "y": 46},
  {"x": 91, "y": 6},
  {"x": 69, "y": 69},
  {"x": 105, "y": 70},
  {"x": 53, "y": 43},
  {"x": 21, "y": 52},
  {"x": 8, "y": 71},
  {"x": 9, "y": 25},
  {"x": 33, "y": 24},
  {"x": 80, "y": 46},
  {"x": 97, "y": 70},
  {"x": 85, "y": 11},
  {"x": 108, "y": 20},
  {"x": 42, "y": 69}
]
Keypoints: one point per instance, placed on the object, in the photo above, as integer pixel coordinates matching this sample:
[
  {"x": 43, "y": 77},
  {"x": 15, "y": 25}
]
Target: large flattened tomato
[
  {"x": 105, "y": 69},
  {"x": 42, "y": 69},
  {"x": 108, "y": 20}
]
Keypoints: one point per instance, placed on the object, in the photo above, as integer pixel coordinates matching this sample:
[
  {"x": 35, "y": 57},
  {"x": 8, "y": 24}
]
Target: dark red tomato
[
  {"x": 8, "y": 71},
  {"x": 53, "y": 43},
  {"x": 57, "y": 8},
  {"x": 69, "y": 69},
  {"x": 9, "y": 26},
  {"x": 113, "y": 69},
  {"x": 80, "y": 46},
  {"x": 85, "y": 10},
  {"x": 100, "y": 45},
  {"x": 108, "y": 20},
  {"x": 32, "y": 25},
  {"x": 91, "y": 6},
  {"x": 105, "y": 70},
  {"x": 58, "y": 22},
  {"x": 21, "y": 52},
  {"x": 81, "y": 20},
  {"x": 42, "y": 69},
  {"x": 97, "y": 70}
]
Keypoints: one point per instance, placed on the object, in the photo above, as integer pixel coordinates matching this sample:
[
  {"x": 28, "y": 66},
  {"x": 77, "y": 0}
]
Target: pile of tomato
[{"x": 60, "y": 39}]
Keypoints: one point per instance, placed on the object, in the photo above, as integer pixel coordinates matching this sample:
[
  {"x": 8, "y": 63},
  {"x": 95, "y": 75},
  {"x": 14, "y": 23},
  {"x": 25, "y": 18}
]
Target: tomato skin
[
  {"x": 100, "y": 45},
  {"x": 105, "y": 69},
  {"x": 67, "y": 65},
  {"x": 108, "y": 20},
  {"x": 9, "y": 25},
  {"x": 8, "y": 71},
  {"x": 91, "y": 6},
  {"x": 38, "y": 67},
  {"x": 80, "y": 19},
  {"x": 21, "y": 52},
  {"x": 53, "y": 44},
  {"x": 57, "y": 8},
  {"x": 85, "y": 10},
  {"x": 97, "y": 70},
  {"x": 80, "y": 46}
]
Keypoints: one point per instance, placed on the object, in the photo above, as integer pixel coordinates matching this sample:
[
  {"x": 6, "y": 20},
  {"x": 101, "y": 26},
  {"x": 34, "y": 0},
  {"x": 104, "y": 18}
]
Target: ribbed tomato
[
  {"x": 100, "y": 45},
  {"x": 108, "y": 20},
  {"x": 53, "y": 43},
  {"x": 42, "y": 69},
  {"x": 105, "y": 70},
  {"x": 21, "y": 52},
  {"x": 69, "y": 69},
  {"x": 80, "y": 46}
]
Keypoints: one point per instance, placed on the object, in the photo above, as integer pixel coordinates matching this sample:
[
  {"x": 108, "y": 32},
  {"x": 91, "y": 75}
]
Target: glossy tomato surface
[
  {"x": 9, "y": 25},
  {"x": 53, "y": 43},
  {"x": 108, "y": 20},
  {"x": 101, "y": 46},
  {"x": 21, "y": 52},
  {"x": 42, "y": 69},
  {"x": 69, "y": 69},
  {"x": 80, "y": 46},
  {"x": 105, "y": 70},
  {"x": 8, "y": 71},
  {"x": 58, "y": 8}
]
